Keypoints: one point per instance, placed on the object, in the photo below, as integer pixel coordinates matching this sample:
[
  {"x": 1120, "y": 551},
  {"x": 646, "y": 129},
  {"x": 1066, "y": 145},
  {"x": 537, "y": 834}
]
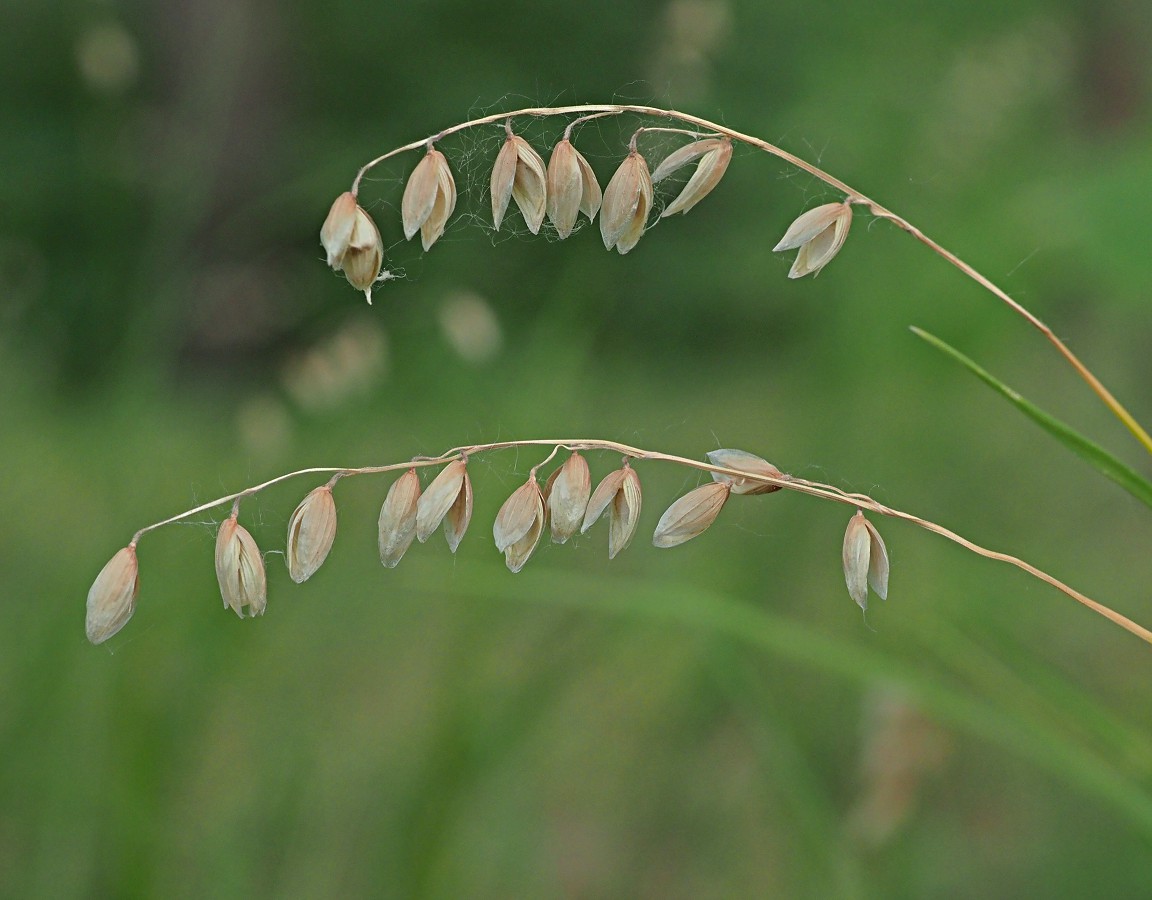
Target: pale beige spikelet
[
  {"x": 397, "y": 525},
  {"x": 112, "y": 597},
  {"x": 742, "y": 461},
  {"x": 352, "y": 242},
  {"x": 336, "y": 232},
  {"x": 865, "y": 560},
  {"x": 714, "y": 155},
  {"x": 459, "y": 515},
  {"x": 517, "y": 514},
  {"x": 516, "y": 555},
  {"x": 240, "y": 570},
  {"x": 519, "y": 174},
  {"x": 627, "y": 203},
  {"x": 365, "y": 255},
  {"x": 572, "y": 188},
  {"x": 601, "y": 498},
  {"x": 519, "y": 524},
  {"x": 568, "y": 493},
  {"x": 819, "y": 233},
  {"x": 429, "y": 199},
  {"x": 439, "y": 498},
  {"x": 619, "y": 493},
  {"x": 691, "y": 515},
  {"x": 311, "y": 531},
  {"x": 625, "y": 513}
]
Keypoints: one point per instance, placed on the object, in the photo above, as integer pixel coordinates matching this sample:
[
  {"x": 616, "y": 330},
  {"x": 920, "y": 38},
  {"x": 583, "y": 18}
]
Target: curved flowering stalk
[
  {"x": 523, "y": 519},
  {"x": 813, "y": 255}
]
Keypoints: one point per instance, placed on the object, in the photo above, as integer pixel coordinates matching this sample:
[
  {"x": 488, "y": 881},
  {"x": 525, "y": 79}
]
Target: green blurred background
[{"x": 709, "y": 721}]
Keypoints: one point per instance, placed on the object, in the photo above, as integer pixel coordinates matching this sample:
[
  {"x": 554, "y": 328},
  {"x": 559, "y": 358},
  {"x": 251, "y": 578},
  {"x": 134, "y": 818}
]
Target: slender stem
[
  {"x": 799, "y": 485},
  {"x": 685, "y": 131},
  {"x": 588, "y": 111}
]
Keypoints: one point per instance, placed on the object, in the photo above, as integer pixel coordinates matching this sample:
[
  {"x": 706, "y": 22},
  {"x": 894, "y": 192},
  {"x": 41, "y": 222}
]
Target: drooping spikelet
[
  {"x": 519, "y": 174},
  {"x": 429, "y": 198}
]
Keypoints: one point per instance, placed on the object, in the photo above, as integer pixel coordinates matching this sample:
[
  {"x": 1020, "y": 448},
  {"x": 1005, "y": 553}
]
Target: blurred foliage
[{"x": 713, "y": 720}]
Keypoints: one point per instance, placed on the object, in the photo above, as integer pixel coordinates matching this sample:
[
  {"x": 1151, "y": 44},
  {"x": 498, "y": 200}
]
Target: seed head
[
  {"x": 819, "y": 233},
  {"x": 311, "y": 531},
  {"x": 442, "y": 494},
  {"x": 519, "y": 524},
  {"x": 459, "y": 514},
  {"x": 519, "y": 173},
  {"x": 691, "y": 514},
  {"x": 397, "y": 525},
  {"x": 572, "y": 188},
  {"x": 742, "y": 461},
  {"x": 865, "y": 560},
  {"x": 627, "y": 202},
  {"x": 568, "y": 491},
  {"x": 619, "y": 492},
  {"x": 714, "y": 155},
  {"x": 112, "y": 597},
  {"x": 240, "y": 569},
  {"x": 429, "y": 198},
  {"x": 336, "y": 232},
  {"x": 352, "y": 242}
]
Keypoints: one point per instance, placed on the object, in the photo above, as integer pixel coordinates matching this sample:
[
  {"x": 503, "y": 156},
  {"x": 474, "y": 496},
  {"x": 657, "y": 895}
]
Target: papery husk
[
  {"x": 112, "y": 597},
  {"x": 517, "y": 554},
  {"x": 605, "y": 491},
  {"x": 429, "y": 199},
  {"x": 572, "y": 188},
  {"x": 865, "y": 560},
  {"x": 568, "y": 493},
  {"x": 691, "y": 515},
  {"x": 439, "y": 498},
  {"x": 625, "y": 513},
  {"x": 744, "y": 462},
  {"x": 311, "y": 531},
  {"x": 397, "y": 524},
  {"x": 627, "y": 203},
  {"x": 336, "y": 232},
  {"x": 519, "y": 174},
  {"x": 618, "y": 493},
  {"x": 240, "y": 570},
  {"x": 713, "y": 164},
  {"x": 519, "y": 524},
  {"x": 365, "y": 254},
  {"x": 819, "y": 234},
  {"x": 518, "y": 514},
  {"x": 459, "y": 515}
]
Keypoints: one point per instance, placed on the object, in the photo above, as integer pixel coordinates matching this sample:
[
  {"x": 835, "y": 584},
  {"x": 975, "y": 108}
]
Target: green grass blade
[
  {"x": 1103, "y": 461},
  {"x": 701, "y": 610}
]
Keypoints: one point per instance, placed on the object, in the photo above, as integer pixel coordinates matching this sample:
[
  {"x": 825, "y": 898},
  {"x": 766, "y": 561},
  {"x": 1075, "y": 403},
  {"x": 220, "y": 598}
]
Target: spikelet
[
  {"x": 429, "y": 199},
  {"x": 618, "y": 492},
  {"x": 714, "y": 155},
  {"x": 742, "y": 461},
  {"x": 459, "y": 514},
  {"x": 336, "y": 232},
  {"x": 865, "y": 560},
  {"x": 691, "y": 515},
  {"x": 442, "y": 494},
  {"x": 519, "y": 524},
  {"x": 519, "y": 174},
  {"x": 397, "y": 525},
  {"x": 627, "y": 202},
  {"x": 567, "y": 492},
  {"x": 311, "y": 531},
  {"x": 352, "y": 242},
  {"x": 819, "y": 233},
  {"x": 240, "y": 569},
  {"x": 112, "y": 597},
  {"x": 572, "y": 188}
]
